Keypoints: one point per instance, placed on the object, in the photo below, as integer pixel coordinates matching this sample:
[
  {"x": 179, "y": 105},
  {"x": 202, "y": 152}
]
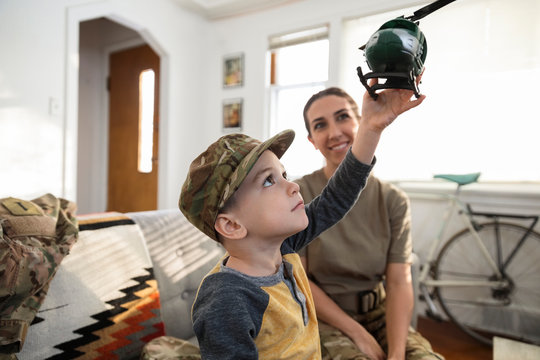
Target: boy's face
[
  {"x": 333, "y": 125},
  {"x": 267, "y": 204}
]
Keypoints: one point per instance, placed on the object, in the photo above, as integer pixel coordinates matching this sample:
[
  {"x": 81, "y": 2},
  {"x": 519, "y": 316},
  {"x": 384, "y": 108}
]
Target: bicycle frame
[
  {"x": 466, "y": 214},
  {"x": 476, "y": 271},
  {"x": 534, "y": 218}
]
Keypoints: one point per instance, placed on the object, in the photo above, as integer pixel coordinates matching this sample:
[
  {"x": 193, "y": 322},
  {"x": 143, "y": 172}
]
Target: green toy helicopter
[{"x": 397, "y": 52}]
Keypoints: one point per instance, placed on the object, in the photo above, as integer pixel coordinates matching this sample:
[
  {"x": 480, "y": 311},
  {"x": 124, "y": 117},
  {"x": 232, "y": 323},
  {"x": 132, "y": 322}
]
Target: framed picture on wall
[
  {"x": 233, "y": 70},
  {"x": 232, "y": 114}
]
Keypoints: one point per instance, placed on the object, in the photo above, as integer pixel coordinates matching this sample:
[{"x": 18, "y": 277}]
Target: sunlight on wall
[{"x": 32, "y": 156}]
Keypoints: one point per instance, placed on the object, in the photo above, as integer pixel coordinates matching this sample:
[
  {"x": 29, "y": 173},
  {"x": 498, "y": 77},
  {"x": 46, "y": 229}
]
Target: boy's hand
[
  {"x": 377, "y": 115},
  {"x": 389, "y": 104}
]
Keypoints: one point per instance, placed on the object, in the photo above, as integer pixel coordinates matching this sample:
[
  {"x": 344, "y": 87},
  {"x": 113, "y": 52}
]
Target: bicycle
[{"x": 486, "y": 277}]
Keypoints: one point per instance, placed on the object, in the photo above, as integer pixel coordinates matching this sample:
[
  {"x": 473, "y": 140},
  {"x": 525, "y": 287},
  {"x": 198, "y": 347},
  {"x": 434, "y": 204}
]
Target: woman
[{"x": 360, "y": 318}]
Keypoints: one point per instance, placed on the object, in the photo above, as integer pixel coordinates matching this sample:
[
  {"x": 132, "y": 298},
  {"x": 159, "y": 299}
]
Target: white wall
[
  {"x": 39, "y": 62},
  {"x": 250, "y": 34},
  {"x": 32, "y": 67},
  {"x": 39, "y": 81}
]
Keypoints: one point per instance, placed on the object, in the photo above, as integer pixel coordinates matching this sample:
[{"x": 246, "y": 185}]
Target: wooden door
[{"x": 129, "y": 189}]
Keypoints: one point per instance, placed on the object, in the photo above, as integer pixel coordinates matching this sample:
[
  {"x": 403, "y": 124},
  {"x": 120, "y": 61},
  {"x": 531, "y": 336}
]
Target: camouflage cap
[{"x": 217, "y": 173}]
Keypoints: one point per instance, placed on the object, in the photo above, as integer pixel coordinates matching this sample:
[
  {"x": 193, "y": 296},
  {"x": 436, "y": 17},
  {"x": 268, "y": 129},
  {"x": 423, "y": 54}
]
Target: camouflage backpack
[{"x": 34, "y": 238}]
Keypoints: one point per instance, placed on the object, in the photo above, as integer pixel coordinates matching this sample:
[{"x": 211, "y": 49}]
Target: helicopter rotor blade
[
  {"x": 422, "y": 12},
  {"x": 428, "y": 9}
]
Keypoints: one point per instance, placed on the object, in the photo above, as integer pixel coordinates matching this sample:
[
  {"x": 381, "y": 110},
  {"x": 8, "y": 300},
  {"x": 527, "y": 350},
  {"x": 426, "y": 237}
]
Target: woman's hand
[{"x": 368, "y": 345}]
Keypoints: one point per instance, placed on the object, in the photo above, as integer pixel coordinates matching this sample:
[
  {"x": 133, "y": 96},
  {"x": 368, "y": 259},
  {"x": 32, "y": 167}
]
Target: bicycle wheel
[{"x": 485, "y": 311}]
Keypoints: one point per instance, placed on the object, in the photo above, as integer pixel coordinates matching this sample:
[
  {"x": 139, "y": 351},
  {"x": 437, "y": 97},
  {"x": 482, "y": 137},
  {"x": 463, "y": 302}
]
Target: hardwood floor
[{"x": 448, "y": 340}]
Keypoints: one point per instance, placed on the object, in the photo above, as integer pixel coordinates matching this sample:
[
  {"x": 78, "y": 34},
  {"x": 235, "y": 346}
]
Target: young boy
[{"x": 256, "y": 302}]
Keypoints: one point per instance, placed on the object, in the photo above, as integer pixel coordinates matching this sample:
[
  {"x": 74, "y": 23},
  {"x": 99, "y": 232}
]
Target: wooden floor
[{"x": 449, "y": 341}]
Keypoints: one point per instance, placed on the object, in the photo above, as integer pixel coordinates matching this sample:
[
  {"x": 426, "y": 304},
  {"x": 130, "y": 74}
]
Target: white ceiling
[{"x": 215, "y": 9}]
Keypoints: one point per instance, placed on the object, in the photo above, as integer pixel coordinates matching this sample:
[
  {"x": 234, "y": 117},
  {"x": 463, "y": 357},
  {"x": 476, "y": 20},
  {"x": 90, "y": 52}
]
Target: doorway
[
  {"x": 99, "y": 38},
  {"x": 133, "y": 130}
]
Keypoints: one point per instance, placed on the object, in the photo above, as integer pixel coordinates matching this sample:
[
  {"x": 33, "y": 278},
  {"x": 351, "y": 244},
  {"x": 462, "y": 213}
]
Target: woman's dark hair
[{"x": 327, "y": 92}]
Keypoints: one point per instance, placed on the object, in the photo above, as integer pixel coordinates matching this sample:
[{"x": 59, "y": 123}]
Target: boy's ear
[{"x": 229, "y": 228}]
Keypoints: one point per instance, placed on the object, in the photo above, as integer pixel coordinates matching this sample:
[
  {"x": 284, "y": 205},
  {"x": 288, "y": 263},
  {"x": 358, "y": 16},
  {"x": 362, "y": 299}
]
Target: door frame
[{"x": 75, "y": 15}]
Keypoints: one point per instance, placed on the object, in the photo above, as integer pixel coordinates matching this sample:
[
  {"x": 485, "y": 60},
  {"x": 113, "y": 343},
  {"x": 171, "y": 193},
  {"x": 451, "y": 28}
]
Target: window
[
  {"x": 480, "y": 114},
  {"x": 298, "y": 68},
  {"x": 146, "y": 120}
]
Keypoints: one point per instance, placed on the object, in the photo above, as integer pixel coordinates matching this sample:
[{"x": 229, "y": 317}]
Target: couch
[{"x": 128, "y": 279}]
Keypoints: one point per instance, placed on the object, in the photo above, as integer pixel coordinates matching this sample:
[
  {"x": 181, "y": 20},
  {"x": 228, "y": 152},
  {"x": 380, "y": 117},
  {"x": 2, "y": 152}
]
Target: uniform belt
[{"x": 361, "y": 302}]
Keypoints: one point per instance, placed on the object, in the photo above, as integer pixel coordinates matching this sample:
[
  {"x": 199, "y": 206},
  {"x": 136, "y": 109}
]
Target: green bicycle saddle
[{"x": 463, "y": 179}]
